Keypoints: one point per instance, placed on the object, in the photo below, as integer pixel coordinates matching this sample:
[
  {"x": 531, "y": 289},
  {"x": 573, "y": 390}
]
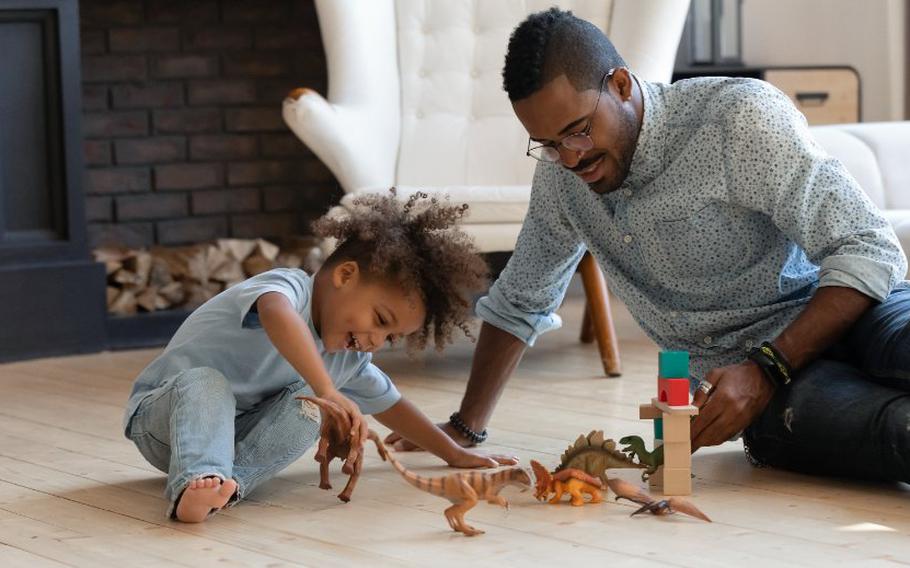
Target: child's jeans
[
  {"x": 187, "y": 428},
  {"x": 848, "y": 413}
]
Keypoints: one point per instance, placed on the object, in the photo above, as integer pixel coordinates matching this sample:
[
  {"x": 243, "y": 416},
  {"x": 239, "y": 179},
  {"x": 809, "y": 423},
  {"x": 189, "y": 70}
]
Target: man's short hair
[{"x": 552, "y": 43}]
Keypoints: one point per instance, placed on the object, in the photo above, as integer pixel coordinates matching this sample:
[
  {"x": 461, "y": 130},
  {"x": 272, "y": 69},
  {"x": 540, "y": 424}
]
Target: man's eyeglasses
[{"x": 577, "y": 142}]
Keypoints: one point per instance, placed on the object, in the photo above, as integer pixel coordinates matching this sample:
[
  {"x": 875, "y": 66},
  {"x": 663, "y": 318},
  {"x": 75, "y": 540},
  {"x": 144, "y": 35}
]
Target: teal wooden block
[
  {"x": 673, "y": 365},
  {"x": 658, "y": 428}
]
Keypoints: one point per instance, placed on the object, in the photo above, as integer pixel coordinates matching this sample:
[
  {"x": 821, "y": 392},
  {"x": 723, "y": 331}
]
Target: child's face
[{"x": 361, "y": 314}]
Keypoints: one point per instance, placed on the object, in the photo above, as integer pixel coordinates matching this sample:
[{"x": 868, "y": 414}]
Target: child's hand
[
  {"x": 358, "y": 423},
  {"x": 471, "y": 459}
]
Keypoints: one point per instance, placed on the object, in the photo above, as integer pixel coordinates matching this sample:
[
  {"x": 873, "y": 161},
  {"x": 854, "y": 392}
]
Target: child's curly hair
[{"x": 415, "y": 245}]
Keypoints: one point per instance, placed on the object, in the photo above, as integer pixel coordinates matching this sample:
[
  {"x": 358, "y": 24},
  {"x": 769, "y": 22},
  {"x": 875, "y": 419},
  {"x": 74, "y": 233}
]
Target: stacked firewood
[{"x": 165, "y": 278}]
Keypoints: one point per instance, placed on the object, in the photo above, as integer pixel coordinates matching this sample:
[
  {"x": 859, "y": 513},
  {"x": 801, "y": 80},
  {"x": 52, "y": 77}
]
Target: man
[{"x": 727, "y": 232}]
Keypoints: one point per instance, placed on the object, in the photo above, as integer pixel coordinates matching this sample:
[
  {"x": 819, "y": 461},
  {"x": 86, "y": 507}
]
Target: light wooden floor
[{"x": 74, "y": 492}]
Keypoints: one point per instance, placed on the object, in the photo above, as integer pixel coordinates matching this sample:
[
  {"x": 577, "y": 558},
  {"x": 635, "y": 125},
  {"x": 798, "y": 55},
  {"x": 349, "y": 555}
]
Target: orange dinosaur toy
[
  {"x": 464, "y": 489},
  {"x": 575, "y": 482}
]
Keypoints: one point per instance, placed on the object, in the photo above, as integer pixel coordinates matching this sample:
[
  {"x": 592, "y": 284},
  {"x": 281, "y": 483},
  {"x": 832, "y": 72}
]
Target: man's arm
[
  {"x": 497, "y": 354},
  {"x": 741, "y": 392},
  {"x": 812, "y": 199},
  {"x": 405, "y": 418},
  {"x": 829, "y": 315}
]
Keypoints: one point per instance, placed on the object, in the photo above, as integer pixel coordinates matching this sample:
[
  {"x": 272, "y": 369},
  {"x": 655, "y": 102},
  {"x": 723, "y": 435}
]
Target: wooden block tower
[{"x": 672, "y": 413}]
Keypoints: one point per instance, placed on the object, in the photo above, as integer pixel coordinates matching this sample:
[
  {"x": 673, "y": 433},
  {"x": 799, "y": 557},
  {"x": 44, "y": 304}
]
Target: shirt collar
[{"x": 647, "y": 162}]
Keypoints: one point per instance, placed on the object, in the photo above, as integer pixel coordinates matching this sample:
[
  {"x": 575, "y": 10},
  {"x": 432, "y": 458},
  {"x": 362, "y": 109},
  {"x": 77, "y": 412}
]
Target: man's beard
[{"x": 629, "y": 132}]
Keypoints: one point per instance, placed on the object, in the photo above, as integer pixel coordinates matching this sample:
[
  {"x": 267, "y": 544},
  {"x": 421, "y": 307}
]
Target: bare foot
[{"x": 203, "y": 495}]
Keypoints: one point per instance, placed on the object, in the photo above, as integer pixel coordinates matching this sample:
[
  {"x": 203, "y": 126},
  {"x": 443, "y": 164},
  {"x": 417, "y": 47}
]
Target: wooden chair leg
[
  {"x": 587, "y": 326},
  {"x": 597, "y": 315}
]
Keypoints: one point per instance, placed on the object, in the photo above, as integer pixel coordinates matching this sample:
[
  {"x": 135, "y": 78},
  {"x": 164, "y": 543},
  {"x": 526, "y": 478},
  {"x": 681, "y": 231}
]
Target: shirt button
[
  {"x": 475, "y": 73},
  {"x": 708, "y": 340},
  {"x": 627, "y": 239},
  {"x": 419, "y": 114},
  {"x": 749, "y": 344},
  {"x": 674, "y": 313},
  {"x": 627, "y": 193}
]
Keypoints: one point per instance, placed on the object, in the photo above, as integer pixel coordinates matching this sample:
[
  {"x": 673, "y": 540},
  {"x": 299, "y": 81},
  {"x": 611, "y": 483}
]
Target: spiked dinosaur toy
[
  {"x": 336, "y": 441},
  {"x": 464, "y": 489},
  {"x": 595, "y": 455}
]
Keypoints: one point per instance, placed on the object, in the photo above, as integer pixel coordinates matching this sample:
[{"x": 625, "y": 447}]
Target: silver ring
[{"x": 705, "y": 387}]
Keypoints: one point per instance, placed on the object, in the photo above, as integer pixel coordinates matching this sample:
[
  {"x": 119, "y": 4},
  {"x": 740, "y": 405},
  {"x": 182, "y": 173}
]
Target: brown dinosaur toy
[
  {"x": 336, "y": 441},
  {"x": 464, "y": 489},
  {"x": 572, "y": 481},
  {"x": 626, "y": 490}
]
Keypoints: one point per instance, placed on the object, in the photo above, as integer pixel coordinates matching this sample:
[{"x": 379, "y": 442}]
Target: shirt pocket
[{"x": 709, "y": 243}]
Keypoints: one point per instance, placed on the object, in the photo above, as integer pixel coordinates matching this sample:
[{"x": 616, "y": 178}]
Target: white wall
[{"x": 868, "y": 35}]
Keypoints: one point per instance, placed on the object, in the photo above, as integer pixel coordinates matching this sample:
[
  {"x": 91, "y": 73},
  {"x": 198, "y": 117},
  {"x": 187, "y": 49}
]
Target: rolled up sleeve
[
  {"x": 532, "y": 286},
  {"x": 810, "y": 196}
]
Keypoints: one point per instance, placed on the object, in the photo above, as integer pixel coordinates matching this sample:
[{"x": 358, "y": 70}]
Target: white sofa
[
  {"x": 416, "y": 101},
  {"x": 878, "y": 156}
]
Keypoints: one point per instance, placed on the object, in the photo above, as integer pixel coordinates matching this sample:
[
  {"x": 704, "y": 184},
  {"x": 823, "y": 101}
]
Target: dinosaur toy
[
  {"x": 572, "y": 481},
  {"x": 336, "y": 441},
  {"x": 576, "y": 482},
  {"x": 635, "y": 448},
  {"x": 594, "y": 455},
  {"x": 463, "y": 489},
  {"x": 626, "y": 490}
]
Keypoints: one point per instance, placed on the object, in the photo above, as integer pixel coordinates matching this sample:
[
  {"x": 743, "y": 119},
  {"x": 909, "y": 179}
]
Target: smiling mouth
[
  {"x": 352, "y": 343},
  {"x": 587, "y": 171}
]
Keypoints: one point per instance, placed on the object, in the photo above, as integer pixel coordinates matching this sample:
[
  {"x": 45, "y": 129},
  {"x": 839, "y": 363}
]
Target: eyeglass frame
[{"x": 583, "y": 133}]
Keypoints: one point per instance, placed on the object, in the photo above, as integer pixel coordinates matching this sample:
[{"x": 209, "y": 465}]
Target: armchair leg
[{"x": 598, "y": 322}]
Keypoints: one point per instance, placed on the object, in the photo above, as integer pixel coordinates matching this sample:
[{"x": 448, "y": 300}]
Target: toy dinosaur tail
[{"x": 432, "y": 486}]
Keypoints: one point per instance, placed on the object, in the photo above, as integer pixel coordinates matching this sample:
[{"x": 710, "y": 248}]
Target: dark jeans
[{"x": 848, "y": 413}]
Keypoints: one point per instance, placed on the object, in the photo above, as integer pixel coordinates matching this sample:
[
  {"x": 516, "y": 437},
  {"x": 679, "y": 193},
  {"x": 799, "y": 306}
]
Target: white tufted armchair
[{"x": 415, "y": 101}]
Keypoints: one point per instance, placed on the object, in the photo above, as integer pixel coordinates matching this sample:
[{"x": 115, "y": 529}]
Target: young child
[{"x": 216, "y": 410}]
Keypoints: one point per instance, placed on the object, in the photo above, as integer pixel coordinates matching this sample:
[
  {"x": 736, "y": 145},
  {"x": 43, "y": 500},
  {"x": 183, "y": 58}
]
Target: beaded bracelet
[{"x": 457, "y": 423}]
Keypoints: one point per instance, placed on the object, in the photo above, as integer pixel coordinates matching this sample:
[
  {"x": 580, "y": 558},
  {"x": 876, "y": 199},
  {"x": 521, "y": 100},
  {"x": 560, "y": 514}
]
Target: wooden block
[
  {"x": 676, "y": 427},
  {"x": 677, "y": 481},
  {"x": 656, "y": 481},
  {"x": 678, "y": 455},
  {"x": 649, "y": 412},
  {"x": 667, "y": 409}
]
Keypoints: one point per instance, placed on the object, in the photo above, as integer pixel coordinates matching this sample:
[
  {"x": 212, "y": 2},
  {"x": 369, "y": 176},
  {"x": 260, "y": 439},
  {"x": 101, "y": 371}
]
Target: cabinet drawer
[{"x": 824, "y": 96}]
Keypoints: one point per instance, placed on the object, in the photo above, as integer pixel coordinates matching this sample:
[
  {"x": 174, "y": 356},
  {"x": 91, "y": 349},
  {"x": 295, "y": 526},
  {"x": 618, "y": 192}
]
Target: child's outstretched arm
[
  {"x": 291, "y": 336},
  {"x": 411, "y": 423}
]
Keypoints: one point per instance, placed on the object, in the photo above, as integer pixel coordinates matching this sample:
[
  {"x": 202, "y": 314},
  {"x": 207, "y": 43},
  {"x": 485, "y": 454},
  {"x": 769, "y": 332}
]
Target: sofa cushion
[
  {"x": 486, "y": 203},
  {"x": 856, "y": 156}
]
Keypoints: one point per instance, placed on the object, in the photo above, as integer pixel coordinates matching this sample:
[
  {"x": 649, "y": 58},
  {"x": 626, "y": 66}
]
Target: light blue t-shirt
[{"x": 224, "y": 334}]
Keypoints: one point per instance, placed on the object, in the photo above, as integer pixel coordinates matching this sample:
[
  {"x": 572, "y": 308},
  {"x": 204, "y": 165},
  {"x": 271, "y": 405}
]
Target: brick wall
[{"x": 184, "y": 140}]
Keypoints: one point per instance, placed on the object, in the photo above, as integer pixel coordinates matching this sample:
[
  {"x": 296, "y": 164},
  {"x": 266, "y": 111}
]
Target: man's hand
[
  {"x": 400, "y": 444},
  {"x": 741, "y": 392},
  {"x": 470, "y": 459}
]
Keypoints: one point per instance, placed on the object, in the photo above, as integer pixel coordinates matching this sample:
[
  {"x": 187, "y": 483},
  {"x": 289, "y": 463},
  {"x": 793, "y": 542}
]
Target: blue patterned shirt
[{"x": 730, "y": 218}]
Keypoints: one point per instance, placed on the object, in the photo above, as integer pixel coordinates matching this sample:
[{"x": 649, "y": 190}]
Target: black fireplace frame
[{"x": 52, "y": 298}]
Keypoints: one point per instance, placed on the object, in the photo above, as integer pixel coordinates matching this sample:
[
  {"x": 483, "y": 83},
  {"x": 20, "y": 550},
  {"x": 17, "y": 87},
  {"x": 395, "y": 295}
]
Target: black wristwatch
[{"x": 772, "y": 363}]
